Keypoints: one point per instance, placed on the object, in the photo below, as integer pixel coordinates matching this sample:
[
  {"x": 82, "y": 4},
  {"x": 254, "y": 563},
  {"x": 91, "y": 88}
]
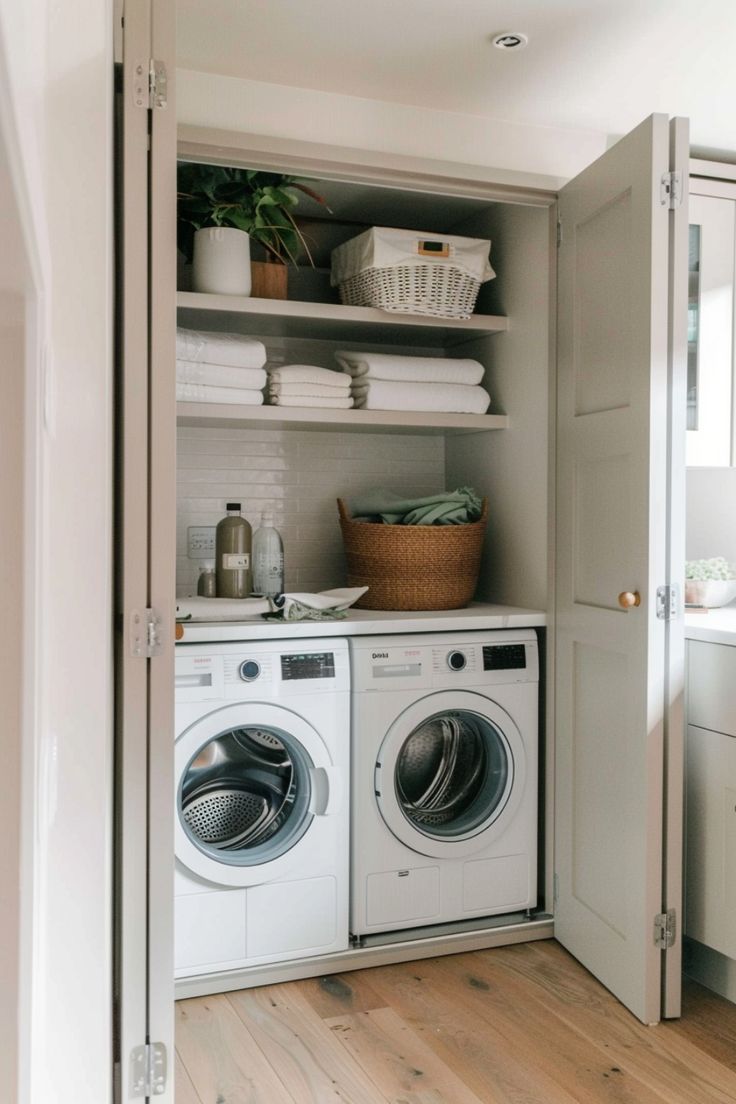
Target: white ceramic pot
[
  {"x": 221, "y": 261},
  {"x": 710, "y": 593}
]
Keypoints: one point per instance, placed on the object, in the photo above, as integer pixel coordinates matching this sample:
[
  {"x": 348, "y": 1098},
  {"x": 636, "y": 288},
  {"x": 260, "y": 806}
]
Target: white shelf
[
  {"x": 478, "y": 616},
  {"x": 214, "y": 415},
  {"x": 329, "y": 321}
]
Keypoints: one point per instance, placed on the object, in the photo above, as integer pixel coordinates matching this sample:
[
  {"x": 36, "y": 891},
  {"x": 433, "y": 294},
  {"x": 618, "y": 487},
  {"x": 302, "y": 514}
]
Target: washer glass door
[
  {"x": 450, "y": 773},
  {"x": 251, "y": 778}
]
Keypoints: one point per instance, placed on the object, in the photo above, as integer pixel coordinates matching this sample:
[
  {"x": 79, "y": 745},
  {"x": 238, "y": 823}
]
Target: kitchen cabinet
[{"x": 710, "y": 905}]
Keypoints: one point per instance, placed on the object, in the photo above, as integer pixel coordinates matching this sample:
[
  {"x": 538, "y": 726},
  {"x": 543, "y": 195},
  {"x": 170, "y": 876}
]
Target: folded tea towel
[
  {"x": 203, "y": 393},
  {"x": 446, "y": 508},
  {"x": 287, "y": 606},
  {"x": 314, "y": 390},
  {"x": 448, "y": 398},
  {"x": 231, "y": 349},
  {"x": 220, "y": 375},
  {"x": 309, "y": 373},
  {"x": 410, "y": 369},
  {"x": 307, "y": 400}
]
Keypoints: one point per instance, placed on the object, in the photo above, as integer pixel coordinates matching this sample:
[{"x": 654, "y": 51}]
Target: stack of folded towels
[
  {"x": 382, "y": 381},
  {"x": 219, "y": 368},
  {"x": 308, "y": 385}
]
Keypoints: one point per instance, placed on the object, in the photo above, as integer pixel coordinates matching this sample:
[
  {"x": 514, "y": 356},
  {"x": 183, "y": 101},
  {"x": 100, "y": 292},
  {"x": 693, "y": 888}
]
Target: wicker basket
[
  {"x": 413, "y": 567},
  {"x": 413, "y": 289}
]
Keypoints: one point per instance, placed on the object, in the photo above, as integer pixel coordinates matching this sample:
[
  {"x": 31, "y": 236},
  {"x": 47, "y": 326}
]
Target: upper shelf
[
  {"x": 329, "y": 321},
  {"x": 222, "y": 416}
]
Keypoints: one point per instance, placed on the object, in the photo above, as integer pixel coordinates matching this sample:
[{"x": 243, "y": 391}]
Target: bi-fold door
[{"x": 619, "y": 533}]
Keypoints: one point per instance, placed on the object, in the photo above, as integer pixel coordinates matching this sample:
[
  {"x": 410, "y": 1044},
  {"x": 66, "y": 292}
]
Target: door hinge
[
  {"x": 665, "y": 929},
  {"x": 559, "y": 233},
  {"x": 145, "y": 634},
  {"x": 666, "y": 602},
  {"x": 148, "y": 1070},
  {"x": 150, "y": 84},
  {"x": 670, "y": 191}
]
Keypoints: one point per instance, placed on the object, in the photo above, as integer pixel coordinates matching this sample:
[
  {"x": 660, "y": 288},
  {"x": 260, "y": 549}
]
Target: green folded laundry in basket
[{"x": 458, "y": 507}]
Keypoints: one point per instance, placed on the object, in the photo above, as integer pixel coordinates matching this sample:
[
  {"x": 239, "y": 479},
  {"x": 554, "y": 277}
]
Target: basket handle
[{"x": 342, "y": 510}]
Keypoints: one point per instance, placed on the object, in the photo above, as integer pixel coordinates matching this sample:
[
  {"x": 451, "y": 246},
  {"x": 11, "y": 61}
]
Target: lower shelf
[{"x": 213, "y": 415}]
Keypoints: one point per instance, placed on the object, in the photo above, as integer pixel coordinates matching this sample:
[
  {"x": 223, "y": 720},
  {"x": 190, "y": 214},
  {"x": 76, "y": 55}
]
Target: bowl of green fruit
[{"x": 709, "y": 583}]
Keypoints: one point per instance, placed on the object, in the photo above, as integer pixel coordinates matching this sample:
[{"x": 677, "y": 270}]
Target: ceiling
[{"x": 599, "y": 65}]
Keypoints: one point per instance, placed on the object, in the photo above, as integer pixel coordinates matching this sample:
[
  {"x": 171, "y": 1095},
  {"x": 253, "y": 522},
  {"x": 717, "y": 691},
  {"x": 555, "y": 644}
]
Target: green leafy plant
[
  {"x": 260, "y": 203},
  {"x": 708, "y": 570}
]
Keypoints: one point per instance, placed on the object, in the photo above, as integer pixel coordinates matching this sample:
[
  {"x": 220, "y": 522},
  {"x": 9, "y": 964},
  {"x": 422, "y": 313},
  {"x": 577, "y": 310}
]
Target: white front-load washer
[
  {"x": 444, "y": 778},
  {"x": 262, "y": 761}
]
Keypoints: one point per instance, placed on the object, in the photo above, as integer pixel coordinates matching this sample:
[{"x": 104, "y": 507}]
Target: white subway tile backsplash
[{"x": 299, "y": 476}]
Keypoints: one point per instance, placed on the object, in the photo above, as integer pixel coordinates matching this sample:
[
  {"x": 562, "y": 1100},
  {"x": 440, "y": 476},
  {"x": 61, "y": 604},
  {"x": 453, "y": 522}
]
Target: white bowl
[{"x": 710, "y": 593}]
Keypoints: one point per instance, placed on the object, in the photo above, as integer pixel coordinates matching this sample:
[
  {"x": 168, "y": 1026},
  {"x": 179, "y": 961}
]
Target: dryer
[
  {"x": 262, "y": 814},
  {"x": 444, "y": 778}
]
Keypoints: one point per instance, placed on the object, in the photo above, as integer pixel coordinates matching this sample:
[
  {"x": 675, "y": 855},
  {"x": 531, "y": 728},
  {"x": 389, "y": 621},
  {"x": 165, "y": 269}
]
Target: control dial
[
  {"x": 250, "y": 670},
  {"x": 456, "y": 661}
]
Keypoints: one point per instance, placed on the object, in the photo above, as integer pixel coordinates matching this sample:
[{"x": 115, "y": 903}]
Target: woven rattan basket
[{"x": 413, "y": 567}]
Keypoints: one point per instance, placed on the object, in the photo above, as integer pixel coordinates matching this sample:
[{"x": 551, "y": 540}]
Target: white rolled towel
[
  {"x": 342, "y": 403},
  {"x": 234, "y": 350},
  {"x": 203, "y": 393},
  {"x": 313, "y": 390},
  {"x": 447, "y": 398},
  {"x": 309, "y": 373},
  {"x": 220, "y": 375},
  {"x": 238, "y": 609},
  {"x": 410, "y": 369}
]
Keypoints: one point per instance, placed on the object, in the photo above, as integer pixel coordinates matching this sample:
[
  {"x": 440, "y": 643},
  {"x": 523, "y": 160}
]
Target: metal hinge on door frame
[
  {"x": 150, "y": 85},
  {"x": 148, "y": 1070},
  {"x": 666, "y": 602},
  {"x": 665, "y": 929},
  {"x": 145, "y": 634},
  {"x": 670, "y": 190}
]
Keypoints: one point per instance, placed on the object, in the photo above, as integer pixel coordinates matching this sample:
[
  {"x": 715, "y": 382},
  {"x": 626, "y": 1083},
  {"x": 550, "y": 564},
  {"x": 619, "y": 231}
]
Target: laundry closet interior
[{"x": 297, "y": 463}]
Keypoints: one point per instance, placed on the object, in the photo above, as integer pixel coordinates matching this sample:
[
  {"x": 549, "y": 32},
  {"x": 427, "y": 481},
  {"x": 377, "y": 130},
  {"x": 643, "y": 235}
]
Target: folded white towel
[
  {"x": 220, "y": 375},
  {"x": 314, "y": 390},
  {"x": 309, "y": 400},
  {"x": 234, "y": 350},
  {"x": 449, "y": 398},
  {"x": 202, "y": 393},
  {"x": 238, "y": 609},
  {"x": 408, "y": 369},
  {"x": 309, "y": 373}
]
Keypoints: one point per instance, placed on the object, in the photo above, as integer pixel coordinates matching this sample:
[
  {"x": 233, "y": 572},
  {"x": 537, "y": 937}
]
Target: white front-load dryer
[
  {"x": 262, "y": 814},
  {"x": 444, "y": 778}
]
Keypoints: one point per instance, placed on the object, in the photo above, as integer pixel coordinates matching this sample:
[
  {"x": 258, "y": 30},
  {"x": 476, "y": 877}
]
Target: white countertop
[
  {"x": 366, "y": 623},
  {"x": 718, "y": 626}
]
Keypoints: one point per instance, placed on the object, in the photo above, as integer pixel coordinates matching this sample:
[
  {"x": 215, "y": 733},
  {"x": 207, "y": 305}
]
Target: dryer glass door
[{"x": 453, "y": 774}]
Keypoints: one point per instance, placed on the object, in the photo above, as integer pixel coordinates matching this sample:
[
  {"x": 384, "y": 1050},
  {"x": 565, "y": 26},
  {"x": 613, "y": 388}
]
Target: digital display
[
  {"x": 308, "y": 665},
  {"x": 504, "y": 657},
  {"x": 433, "y": 246}
]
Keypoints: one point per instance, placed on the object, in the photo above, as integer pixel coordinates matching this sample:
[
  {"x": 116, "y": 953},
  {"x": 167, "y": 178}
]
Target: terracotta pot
[{"x": 269, "y": 281}]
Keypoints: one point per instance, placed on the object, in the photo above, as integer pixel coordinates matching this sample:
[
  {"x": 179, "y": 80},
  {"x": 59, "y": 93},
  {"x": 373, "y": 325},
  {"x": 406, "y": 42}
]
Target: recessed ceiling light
[{"x": 510, "y": 40}]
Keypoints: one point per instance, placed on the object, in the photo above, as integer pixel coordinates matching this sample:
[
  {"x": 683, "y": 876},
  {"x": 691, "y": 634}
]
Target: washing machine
[
  {"x": 444, "y": 778},
  {"x": 262, "y": 763}
]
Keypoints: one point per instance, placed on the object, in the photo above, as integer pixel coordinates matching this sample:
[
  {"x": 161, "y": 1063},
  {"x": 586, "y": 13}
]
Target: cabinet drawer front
[{"x": 712, "y": 686}]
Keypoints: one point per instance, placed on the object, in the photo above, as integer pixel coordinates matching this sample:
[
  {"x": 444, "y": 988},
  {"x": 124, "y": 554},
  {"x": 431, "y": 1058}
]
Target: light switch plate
[{"x": 200, "y": 542}]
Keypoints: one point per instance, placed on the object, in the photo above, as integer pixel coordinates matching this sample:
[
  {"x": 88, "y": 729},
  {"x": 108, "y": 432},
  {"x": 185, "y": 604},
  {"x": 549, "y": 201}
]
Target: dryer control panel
[{"x": 440, "y": 661}]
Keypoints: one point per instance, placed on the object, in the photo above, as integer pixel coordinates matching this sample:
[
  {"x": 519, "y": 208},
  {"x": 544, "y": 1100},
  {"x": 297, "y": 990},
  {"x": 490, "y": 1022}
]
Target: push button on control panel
[
  {"x": 456, "y": 661},
  {"x": 250, "y": 670}
]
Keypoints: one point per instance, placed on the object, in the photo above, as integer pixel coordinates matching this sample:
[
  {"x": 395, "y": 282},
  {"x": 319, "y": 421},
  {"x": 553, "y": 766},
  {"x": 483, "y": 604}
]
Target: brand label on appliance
[{"x": 236, "y": 561}]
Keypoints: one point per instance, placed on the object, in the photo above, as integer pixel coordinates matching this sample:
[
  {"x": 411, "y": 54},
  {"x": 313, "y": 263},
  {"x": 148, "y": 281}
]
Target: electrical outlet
[{"x": 200, "y": 542}]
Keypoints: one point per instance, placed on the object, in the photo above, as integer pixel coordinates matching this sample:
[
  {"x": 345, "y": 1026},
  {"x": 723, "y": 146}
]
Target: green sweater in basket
[{"x": 447, "y": 508}]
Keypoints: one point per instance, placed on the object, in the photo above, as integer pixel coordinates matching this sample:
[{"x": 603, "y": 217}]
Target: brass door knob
[{"x": 629, "y": 598}]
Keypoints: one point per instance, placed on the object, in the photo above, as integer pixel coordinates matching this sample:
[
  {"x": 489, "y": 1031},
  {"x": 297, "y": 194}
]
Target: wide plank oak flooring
[{"x": 512, "y": 1025}]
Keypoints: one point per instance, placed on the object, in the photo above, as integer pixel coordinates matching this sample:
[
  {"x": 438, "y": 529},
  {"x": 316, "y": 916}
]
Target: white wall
[
  {"x": 711, "y": 513},
  {"x": 56, "y": 97},
  {"x": 531, "y": 155}
]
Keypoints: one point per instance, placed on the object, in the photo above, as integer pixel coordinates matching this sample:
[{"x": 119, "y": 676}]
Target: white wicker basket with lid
[{"x": 411, "y": 271}]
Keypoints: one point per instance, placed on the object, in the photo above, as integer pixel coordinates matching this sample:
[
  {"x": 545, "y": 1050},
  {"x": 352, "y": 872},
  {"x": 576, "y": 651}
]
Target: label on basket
[{"x": 433, "y": 249}]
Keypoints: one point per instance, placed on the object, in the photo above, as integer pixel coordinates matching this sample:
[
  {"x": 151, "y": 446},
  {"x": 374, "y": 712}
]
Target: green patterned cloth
[{"x": 447, "y": 508}]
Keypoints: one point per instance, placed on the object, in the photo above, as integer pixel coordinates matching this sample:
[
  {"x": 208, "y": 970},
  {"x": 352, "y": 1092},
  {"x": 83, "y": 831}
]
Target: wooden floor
[{"x": 513, "y": 1025}]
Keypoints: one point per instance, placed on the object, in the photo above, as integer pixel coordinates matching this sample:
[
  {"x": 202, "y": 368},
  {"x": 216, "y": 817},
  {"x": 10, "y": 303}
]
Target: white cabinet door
[{"x": 614, "y": 487}]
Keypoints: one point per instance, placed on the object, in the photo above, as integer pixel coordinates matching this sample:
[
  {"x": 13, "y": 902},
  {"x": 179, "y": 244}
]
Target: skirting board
[
  {"x": 711, "y": 968},
  {"x": 360, "y": 958}
]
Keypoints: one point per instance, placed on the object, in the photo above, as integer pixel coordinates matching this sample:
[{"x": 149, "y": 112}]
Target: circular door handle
[{"x": 629, "y": 598}]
